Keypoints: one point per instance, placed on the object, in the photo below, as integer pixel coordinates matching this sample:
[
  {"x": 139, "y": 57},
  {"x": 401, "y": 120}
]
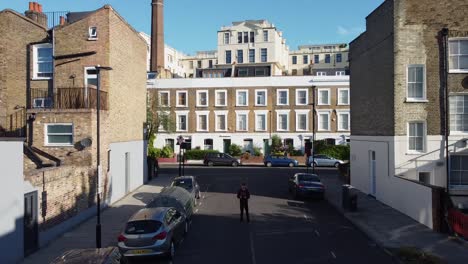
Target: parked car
[
  {"x": 110, "y": 255},
  {"x": 153, "y": 232},
  {"x": 189, "y": 183},
  {"x": 212, "y": 159},
  {"x": 306, "y": 184},
  {"x": 325, "y": 161},
  {"x": 279, "y": 160},
  {"x": 176, "y": 197}
]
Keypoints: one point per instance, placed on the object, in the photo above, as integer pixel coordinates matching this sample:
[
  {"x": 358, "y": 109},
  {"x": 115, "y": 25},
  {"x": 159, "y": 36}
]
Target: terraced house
[
  {"x": 409, "y": 118},
  {"x": 213, "y": 113},
  {"x": 49, "y": 95}
]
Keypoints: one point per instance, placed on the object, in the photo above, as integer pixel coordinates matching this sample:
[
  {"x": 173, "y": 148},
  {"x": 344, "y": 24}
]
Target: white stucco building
[{"x": 320, "y": 60}]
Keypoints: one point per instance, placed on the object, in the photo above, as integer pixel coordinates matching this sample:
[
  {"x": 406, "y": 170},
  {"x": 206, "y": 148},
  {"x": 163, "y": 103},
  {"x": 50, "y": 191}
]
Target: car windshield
[
  {"x": 142, "y": 227},
  {"x": 227, "y": 156},
  {"x": 308, "y": 177},
  {"x": 184, "y": 183}
]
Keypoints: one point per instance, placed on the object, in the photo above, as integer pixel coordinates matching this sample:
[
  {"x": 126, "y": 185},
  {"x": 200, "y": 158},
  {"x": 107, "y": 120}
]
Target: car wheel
[
  {"x": 291, "y": 164},
  {"x": 210, "y": 163},
  {"x": 337, "y": 165},
  {"x": 268, "y": 164},
  {"x": 171, "y": 253},
  {"x": 235, "y": 164}
]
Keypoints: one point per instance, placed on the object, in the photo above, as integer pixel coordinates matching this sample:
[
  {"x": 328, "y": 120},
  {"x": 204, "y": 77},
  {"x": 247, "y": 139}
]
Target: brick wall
[
  {"x": 70, "y": 190},
  {"x": 17, "y": 33}
]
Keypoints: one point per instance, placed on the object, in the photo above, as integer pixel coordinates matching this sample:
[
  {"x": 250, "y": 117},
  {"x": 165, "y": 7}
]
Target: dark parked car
[
  {"x": 110, "y": 255},
  {"x": 153, "y": 232},
  {"x": 220, "y": 159},
  {"x": 306, "y": 184},
  {"x": 279, "y": 160},
  {"x": 189, "y": 183},
  {"x": 325, "y": 161}
]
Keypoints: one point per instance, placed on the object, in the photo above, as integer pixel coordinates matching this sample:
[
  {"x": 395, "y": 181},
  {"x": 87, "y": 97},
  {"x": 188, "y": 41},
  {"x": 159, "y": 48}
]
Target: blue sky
[{"x": 191, "y": 25}]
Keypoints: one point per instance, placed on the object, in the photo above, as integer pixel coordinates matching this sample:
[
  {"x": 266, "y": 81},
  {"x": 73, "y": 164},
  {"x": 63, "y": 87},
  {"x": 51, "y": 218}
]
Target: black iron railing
[{"x": 67, "y": 98}]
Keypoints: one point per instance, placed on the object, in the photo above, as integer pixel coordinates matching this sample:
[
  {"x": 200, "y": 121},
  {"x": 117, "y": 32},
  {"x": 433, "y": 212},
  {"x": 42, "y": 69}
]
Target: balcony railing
[{"x": 67, "y": 98}]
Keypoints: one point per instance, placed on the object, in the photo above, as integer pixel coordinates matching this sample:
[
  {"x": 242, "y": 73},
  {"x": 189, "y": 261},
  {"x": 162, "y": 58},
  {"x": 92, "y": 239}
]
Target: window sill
[
  {"x": 414, "y": 153},
  {"x": 458, "y": 133},
  {"x": 241, "y": 105},
  {"x": 260, "y": 105},
  {"x": 410, "y": 100},
  {"x": 302, "y": 104},
  {"x": 202, "y": 106},
  {"x": 343, "y": 104},
  {"x": 458, "y": 71},
  {"x": 59, "y": 145},
  {"x": 181, "y": 106},
  {"x": 342, "y": 130},
  {"x": 92, "y": 39},
  {"x": 41, "y": 78},
  {"x": 220, "y": 105}
]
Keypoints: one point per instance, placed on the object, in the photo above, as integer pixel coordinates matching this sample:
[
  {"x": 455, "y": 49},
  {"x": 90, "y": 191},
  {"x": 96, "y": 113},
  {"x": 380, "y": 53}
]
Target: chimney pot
[
  {"x": 39, "y": 8},
  {"x": 35, "y": 7},
  {"x": 31, "y": 6},
  {"x": 62, "y": 20}
]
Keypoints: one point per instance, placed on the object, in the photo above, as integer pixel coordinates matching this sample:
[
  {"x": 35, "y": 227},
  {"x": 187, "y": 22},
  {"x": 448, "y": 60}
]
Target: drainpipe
[{"x": 444, "y": 33}]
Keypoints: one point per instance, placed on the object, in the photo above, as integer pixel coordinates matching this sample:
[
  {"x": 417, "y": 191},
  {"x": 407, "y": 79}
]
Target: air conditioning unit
[{"x": 42, "y": 102}]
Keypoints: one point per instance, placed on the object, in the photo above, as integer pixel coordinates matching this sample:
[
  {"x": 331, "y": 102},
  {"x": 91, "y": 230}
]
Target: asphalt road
[{"x": 281, "y": 230}]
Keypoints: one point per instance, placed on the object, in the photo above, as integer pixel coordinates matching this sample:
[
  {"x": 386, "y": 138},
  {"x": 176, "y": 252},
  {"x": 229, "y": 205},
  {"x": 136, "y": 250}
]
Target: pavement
[
  {"x": 112, "y": 219},
  {"x": 391, "y": 229}
]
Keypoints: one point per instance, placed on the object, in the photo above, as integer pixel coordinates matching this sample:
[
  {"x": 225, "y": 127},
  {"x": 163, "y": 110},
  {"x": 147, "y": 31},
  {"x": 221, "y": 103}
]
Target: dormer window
[{"x": 92, "y": 33}]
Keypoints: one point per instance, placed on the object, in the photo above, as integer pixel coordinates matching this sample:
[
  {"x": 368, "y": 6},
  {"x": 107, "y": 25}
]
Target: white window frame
[
  {"x": 86, "y": 75},
  {"x": 266, "y": 97},
  {"x": 261, "y": 113},
  {"x": 323, "y": 112},
  {"x": 246, "y": 97},
  {"x": 451, "y": 113},
  {"x": 239, "y": 113},
  {"x": 319, "y": 101},
  {"x": 338, "y": 118},
  {"x": 456, "y": 187},
  {"x": 168, "y": 98},
  {"x": 265, "y": 36},
  {"x": 91, "y": 35},
  {"x": 307, "y": 96},
  {"x": 456, "y": 70},
  {"x": 217, "y": 92},
  {"x": 410, "y": 151},
  {"x": 182, "y": 113},
  {"x": 35, "y": 61},
  {"x": 320, "y": 73},
  {"x": 339, "y": 97},
  {"x": 177, "y": 98},
  {"x": 198, "y": 98},
  {"x": 203, "y": 113},
  {"x": 340, "y": 73},
  {"x": 46, "y": 135},
  {"x": 221, "y": 113},
  {"x": 282, "y": 112},
  {"x": 416, "y": 99},
  {"x": 302, "y": 112},
  {"x": 228, "y": 38},
  {"x": 278, "y": 97}
]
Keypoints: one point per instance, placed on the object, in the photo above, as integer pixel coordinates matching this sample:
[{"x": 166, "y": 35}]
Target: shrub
[
  {"x": 154, "y": 152},
  {"x": 276, "y": 144},
  {"x": 235, "y": 150},
  {"x": 198, "y": 154},
  {"x": 341, "y": 152},
  {"x": 296, "y": 152},
  {"x": 257, "y": 151},
  {"x": 167, "y": 152}
]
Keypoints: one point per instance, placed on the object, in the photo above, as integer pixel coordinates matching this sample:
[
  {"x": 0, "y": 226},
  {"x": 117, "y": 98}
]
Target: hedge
[
  {"x": 198, "y": 154},
  {"x": 341, "y": 152}
]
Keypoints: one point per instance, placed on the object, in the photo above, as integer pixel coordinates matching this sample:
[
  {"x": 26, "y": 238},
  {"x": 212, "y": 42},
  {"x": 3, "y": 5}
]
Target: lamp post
[{"x": 98, "y": 156}]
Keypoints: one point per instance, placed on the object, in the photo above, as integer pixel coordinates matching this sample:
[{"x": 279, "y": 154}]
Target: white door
[{"x": 372, "y": 173}]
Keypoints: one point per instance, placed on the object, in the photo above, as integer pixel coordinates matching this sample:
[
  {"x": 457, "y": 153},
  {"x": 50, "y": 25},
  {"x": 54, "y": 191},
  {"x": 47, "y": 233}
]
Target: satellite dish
[
  {"x": 465, "y": 83},
  {"x": 86, "y": 142}
]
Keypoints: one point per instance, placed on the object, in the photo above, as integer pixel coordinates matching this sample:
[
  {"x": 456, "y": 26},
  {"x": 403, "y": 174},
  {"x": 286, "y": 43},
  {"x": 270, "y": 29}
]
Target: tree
[
  {"x": 159, "y": 117},
  {"x": 276, "y": 144}
]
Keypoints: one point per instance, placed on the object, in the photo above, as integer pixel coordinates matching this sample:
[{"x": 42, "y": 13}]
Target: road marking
[
  {"x": 333, "y": 254},
  {"x": 252, "y": 249},
  {"x": 317, "y": 232}
]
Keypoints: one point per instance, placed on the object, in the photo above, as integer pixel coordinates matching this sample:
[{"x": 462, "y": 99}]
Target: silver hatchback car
[
  {"x": 324, "y": 161},
  {"x": 153, "y": 232}
]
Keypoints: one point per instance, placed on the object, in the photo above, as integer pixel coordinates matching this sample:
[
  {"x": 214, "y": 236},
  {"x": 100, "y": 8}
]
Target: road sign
[{"x": 180, "y": 140}]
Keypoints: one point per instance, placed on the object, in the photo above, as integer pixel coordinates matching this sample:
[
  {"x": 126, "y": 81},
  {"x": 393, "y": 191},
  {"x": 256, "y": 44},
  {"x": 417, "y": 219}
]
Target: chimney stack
[
  {"x": 35, "y": 13},
  {"x": 157, "y": 36},
  {"x": 62, "y": 20}
]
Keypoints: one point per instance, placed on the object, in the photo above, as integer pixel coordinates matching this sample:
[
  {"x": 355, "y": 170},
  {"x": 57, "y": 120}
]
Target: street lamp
[{"x": 98, "y": 147}]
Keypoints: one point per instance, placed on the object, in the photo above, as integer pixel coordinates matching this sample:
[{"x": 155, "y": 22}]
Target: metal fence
[{"x": 67, "y": 98}]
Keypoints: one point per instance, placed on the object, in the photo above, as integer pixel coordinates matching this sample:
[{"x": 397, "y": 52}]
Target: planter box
[{"x": 167, "y": 160}]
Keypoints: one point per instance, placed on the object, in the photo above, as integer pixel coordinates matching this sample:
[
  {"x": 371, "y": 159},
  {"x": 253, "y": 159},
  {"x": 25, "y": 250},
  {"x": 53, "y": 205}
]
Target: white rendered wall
[
  {"x": 238, "y": 139},
  {"x": 117, "y": 168},
  {"x": 11, "y": 201},
  {"x": 412, "y": 199}
]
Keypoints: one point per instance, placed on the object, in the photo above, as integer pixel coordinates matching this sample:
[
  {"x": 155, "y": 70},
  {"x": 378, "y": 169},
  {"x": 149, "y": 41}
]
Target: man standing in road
[{"x": 243, "y": 195}]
